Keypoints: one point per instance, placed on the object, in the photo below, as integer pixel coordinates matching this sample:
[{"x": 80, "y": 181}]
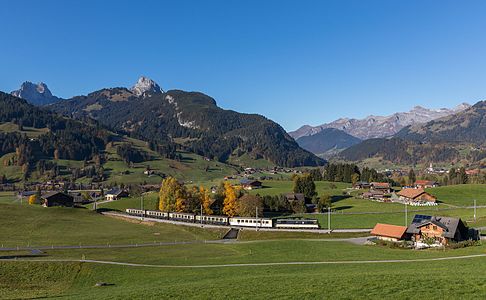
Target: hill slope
[
  {"x": 193, "y": 120},
  {"x": 327, "y": 139}
]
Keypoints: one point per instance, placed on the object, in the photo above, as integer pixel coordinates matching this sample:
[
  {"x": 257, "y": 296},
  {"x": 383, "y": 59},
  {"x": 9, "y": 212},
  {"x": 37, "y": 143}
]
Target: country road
[{"x": 293, "y": 263}]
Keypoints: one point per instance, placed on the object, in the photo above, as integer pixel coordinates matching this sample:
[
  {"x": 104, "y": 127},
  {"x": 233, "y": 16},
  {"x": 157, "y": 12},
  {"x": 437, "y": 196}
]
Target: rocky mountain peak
[
  {"x": 37, "y": 94},
  {"x": 146, "y": 85}
]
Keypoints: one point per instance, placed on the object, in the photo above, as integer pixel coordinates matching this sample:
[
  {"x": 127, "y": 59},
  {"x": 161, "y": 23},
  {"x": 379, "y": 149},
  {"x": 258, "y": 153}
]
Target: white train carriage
[
  {"x": 157, "y": 214},
  {"x": 251, "y": 222},
  {"x": 135, "y": 212},
  {"x": 181, "y": 217},
  {"x": 297, "y": 223},
  {"x": 218, "y": 220}
]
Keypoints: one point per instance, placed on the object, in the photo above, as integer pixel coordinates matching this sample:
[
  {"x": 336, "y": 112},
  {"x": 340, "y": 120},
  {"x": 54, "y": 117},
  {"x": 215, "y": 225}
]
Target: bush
[{"x": 463, "y": 244}]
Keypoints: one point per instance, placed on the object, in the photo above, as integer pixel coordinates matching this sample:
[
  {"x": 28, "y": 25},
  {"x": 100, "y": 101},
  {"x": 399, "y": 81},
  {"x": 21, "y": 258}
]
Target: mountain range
[
  {"x": 380, "y": 126},
  {"x": 191, "y": 121},
  {"x": 327, "y": 141}
]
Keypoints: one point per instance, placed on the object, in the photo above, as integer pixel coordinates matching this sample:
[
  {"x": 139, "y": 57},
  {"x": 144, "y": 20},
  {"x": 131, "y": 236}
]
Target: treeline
[
  {"x": 130, "y": 154},
  {"x": 346, "y": 172}
]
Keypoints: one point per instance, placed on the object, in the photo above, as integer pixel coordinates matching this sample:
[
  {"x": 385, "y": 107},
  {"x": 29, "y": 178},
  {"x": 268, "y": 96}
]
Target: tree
[
  {"x": 172, "y": 195},
  {"x": 411, "y": 177},
  {"x": 324, "y": 202},
  {"x": 247, "y": 206},
  {"x": 305, "y": 185},
  {"x": 205, "y": 199},
  {"x": 230, "y": 197},
  {"x": 34, "y": 199},
  {"x": 3, "y": 180},
  {"x": 354, "y": 178}
]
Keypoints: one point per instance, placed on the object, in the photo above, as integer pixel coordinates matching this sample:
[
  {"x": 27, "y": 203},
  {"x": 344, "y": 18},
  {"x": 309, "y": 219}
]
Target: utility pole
[
  {"x": 201, "y": 216},
  {"x": 256, "y": 218},
  {"x": 406, "y": 215},
  {"x": 329, "y": 219},
  {"x": 474, "y": 210},
  {"x": 141, "y": 206}
]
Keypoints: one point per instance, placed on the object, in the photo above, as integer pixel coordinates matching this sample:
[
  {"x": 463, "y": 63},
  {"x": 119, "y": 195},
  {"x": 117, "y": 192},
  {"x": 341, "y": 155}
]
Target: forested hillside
[
  {"x": 64, "y": 138},
  {"x": 193, "y": 121}
]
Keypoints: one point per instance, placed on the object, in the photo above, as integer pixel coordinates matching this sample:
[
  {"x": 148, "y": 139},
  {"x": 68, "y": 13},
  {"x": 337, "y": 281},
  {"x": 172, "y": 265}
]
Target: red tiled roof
[
  {"x": 381, "y": 184},
  {"x": 411, "y": 193},
  {"x": 387, "y": 230}
]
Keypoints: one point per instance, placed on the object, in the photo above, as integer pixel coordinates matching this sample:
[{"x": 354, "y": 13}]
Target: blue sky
[{"x": 296, "y": 62}]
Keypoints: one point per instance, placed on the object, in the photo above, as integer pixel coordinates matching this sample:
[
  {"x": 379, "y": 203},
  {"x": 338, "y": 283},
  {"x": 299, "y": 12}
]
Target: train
[{"x": 226, "y": 221}]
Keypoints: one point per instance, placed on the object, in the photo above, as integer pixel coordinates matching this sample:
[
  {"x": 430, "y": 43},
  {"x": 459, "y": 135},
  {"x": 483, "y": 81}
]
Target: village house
[
  {"x": 248, "y": 184},
  {"x": 361, "y": 185},
  {"x": 387, "y": 232},
  {"x": 424, "y": 184},
  {"x": 57, "y": 199},
  {"x": 374, "y": 194},
  {"x": 115, "y": 194},
  {"x": 416, "y": 196},
  {"x": 439, "y": 230},
  {"x": 385, "y": 187}
]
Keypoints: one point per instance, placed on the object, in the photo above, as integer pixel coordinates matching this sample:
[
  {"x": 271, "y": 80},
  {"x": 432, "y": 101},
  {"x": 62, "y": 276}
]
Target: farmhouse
[
  {"x": 250, "y": 184},
  {"x": 361, "y": 185},
  {"x": 381, "y": 186},
  {"x": 56, "y": 199},
  {"x": 389, "y": 232},
  {"x": 295, "y": 197},
  {"x": 374, "y": 194},
  {"x": 424, "y": 184},
  {"x": 439, "y": 230},
  {"x": 115, "y": 194},
  {"x": 416, "y": 195}
]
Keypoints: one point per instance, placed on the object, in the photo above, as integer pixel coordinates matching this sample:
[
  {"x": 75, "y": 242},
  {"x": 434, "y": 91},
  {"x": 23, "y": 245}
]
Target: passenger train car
[
  {"x": 227, "y": 221},
  {"x": 297, "y": 224}
]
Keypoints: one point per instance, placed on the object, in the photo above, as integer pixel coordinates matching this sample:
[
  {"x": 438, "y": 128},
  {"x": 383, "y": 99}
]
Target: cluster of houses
[
  {"x": 74, "y": 197},
  {"x": 427, "y": 231},
  {"x": 415, "y": 195}
]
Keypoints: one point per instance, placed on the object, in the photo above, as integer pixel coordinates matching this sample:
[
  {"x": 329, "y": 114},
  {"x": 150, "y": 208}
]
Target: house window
[{"x": 434, "y": 227}]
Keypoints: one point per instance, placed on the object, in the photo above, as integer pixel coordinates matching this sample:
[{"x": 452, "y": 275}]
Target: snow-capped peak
[{"x": 146, "y": 85}]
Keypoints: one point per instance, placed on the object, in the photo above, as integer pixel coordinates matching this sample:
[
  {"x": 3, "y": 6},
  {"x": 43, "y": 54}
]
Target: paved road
[{"x": 294, "y": 263}]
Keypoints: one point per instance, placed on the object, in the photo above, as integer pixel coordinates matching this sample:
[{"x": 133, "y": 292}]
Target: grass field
[
  {"x": 351, "y": 280},
  {"x": 32, "y": 225},
  {"x": 461, "y": 195}
]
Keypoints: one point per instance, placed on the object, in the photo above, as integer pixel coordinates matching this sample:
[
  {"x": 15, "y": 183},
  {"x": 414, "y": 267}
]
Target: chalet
[
  {"x": 389, "y": 232},
  {"x": 361, "y": 185},
  {"x": 295, "y": 197},
  {"x": 374, "y": 194},
  {"x": 57, "y": 199},
  {"x": 385, "y": 187},
  {"x": 115, "y": 194},
  {"x": 250, "y": 184},
  {"x": 441, "y": 230},
  {"x": 424, "y": 184},
  {"x": 416, "y": 195}
]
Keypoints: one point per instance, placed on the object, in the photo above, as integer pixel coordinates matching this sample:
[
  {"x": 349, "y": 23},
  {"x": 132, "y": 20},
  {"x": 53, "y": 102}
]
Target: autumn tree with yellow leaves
[
  {"x": 229, "y": 202},
  {"x": 172, "y": 195},
  {"x": 205, "y": 199}
]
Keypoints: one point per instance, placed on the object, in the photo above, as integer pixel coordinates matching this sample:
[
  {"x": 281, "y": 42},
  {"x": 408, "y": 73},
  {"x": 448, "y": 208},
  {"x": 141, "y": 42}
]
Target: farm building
[
  {"x": 442, "y": 230},
  {"x": 424, "y": 184},
  {"x": 416, "y": 195},
  {"x": 295, "y": 197},
  {"x": 57, "y": 199},
  {"x": 385, "y": 187},
  {"x": 250, "y": 184},
  {"x": 361, "y": 185},
  {"x": 389, "y": 232},
  {"x": 374, "y": 194},
  {"x": 115, "y": 194}
]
